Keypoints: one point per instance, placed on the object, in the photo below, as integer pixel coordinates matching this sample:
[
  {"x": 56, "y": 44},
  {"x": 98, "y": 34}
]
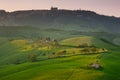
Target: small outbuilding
[{"x": 95, "y": 65}]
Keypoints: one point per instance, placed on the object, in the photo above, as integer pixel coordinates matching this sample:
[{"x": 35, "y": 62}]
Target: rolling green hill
[
  {"x": 88, "y": 40},
  {"x": 77, "y": 40},
  {"x": 66, "y": 68},
  {"x": 18, "y": 32},
  {"x": 58, "y": 45}
]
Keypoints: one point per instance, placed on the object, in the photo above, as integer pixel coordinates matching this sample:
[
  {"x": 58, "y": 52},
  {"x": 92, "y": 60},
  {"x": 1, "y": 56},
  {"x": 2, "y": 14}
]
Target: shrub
[{"x": 32, "y": 57}]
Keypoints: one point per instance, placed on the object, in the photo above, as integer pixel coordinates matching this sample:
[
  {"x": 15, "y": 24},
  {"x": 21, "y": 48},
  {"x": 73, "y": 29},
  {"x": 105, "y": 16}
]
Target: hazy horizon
[{"x": 105, "y": 7}]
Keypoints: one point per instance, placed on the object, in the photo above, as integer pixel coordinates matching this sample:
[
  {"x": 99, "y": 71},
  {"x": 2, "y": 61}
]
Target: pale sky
[{"x": 106, "y": 7}]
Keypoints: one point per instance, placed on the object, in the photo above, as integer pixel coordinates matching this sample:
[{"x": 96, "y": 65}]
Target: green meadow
[{"x": 67, "y": 59}]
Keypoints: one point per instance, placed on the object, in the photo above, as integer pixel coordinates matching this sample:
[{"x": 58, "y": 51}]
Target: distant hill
[
  {"x": 69, "y": 20},
  {"x": 59, "y": 24}
]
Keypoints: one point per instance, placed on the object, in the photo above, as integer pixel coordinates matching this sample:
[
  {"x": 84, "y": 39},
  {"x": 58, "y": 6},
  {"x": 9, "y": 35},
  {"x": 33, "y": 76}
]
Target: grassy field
[
  {"x": 55, "y": 69},
  {"x": 62, "y": 68}
]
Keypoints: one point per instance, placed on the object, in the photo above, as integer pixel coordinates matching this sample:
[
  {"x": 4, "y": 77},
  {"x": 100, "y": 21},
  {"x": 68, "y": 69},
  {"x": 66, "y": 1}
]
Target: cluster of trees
[
  {"x": 89, "y": 50},
  {"x": 57, "y": 54},
  {"x": 92, "y": 50}
]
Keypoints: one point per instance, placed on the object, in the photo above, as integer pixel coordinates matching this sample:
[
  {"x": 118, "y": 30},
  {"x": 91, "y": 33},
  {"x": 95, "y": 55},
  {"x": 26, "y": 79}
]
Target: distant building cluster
[{"x": 54, "y": 8}]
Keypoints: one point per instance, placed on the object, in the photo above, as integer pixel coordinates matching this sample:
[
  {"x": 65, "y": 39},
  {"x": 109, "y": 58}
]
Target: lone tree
[{"x": 32, "y": 57}]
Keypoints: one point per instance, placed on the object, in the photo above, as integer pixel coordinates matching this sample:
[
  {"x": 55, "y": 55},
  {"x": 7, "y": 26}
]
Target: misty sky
[{"x": 107, "y": 7}]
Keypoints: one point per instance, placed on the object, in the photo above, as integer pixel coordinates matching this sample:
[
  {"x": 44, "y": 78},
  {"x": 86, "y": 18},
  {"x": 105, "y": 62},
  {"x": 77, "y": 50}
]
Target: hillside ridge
[{"x": 79, "y": 20}]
